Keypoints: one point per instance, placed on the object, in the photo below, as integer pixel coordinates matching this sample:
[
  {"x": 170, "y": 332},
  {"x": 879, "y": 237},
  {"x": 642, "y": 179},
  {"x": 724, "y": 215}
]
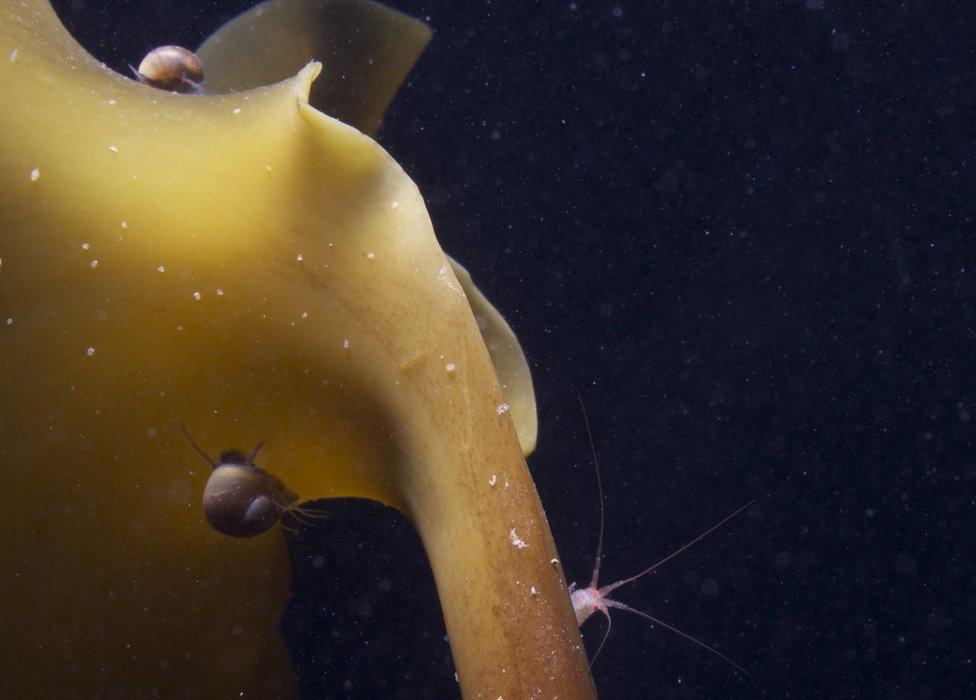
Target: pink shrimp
[{"x": 593, "y": 598}]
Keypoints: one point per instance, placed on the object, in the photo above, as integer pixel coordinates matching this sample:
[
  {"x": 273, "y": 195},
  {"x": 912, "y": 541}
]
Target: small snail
[
  {"x": 241, "y": 499},
  {"x": 171, "y": 68}
]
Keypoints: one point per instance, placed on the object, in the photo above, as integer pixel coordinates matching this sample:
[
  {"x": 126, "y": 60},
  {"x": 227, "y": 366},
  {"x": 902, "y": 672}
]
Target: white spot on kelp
[{"x": 448, "y": 280}]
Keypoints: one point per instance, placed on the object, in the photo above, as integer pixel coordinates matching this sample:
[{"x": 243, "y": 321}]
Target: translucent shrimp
[{"x": 593, "y": 598}]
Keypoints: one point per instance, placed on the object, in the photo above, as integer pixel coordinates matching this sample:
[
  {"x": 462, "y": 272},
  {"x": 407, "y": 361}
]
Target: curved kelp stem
[{"x": 250, "y": 266}]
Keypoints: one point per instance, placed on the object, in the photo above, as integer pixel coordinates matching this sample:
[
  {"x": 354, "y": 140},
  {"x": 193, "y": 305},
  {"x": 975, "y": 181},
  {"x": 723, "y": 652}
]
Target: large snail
[
  {"x": 242, "y": 499},
  {"x": 171, "y": 68}
]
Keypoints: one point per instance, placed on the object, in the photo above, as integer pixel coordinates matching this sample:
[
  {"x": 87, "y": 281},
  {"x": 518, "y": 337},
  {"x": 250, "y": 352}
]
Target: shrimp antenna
[
  {"x": 620, "y": 606},
  {"x": 606, "y": 613},
  {"x": 197, "y": 447},
  {"x": 652, "y": 567},
  {"x": 599, "y": 487}
]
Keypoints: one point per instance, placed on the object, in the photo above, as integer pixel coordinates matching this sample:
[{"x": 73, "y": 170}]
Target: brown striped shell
[{"x": 172, "y": 68}]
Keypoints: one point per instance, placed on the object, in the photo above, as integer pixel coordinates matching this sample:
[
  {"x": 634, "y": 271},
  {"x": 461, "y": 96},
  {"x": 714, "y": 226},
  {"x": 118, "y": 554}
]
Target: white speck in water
[
  {"x": 161, "y": 268},
  {"x": 85, "y": 246},
  {"x": 370, "y": 255},
  {"x": 113, "y": 148},
  {"x": 90, "y": 351},
  {"x": 493, "y": 480},
  {"x": 345, "y": 343},
  {"x": 450, "y": 367},
  {"x": 220, "y": 292},
  {"x": 237, "y": 110},
  {"x": 395, "y": 204},
  {"x": 93, "y": 264},
  {"x": 304, "y": 314},
  {"x": 197, "y": 296},
  {"x": 516, "y": 541},
  {"x": 501, "y": 408},
  {"x": 318, "y": 561},
  {"x": 35, "y": 175},
  {"x": 238, "y": 630},
  {"x": 299, "y": 257},
  {"x": 124, "y": 224}
]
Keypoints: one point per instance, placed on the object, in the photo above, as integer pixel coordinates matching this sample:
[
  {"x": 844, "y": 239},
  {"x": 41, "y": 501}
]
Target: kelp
[{"x": 255, "y": 268}]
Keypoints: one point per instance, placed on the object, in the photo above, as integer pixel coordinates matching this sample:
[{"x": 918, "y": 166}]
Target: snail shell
[
  {"x": 172, "y": 68},
  {"x": 241, "y": 500}
]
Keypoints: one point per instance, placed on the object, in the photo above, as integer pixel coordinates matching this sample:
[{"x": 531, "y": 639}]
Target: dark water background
[{"x": 744, "y": 232}]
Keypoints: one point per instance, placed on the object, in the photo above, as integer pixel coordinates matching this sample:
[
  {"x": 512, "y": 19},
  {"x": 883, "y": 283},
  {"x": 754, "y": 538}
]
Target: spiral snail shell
[
  {"x": 243, "y": 500},
  {"x": 171, "y": 68}
]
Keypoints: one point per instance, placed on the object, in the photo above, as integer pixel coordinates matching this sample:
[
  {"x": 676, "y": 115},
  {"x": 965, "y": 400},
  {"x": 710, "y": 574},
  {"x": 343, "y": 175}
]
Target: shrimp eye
[{"x": 171, "y": 68}]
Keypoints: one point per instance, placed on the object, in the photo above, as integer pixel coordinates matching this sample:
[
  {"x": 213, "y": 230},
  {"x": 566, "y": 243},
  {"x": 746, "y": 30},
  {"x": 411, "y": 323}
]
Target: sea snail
[
  {"x": 171, "y": 68},
  {"x": 243, "y": 500}
]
